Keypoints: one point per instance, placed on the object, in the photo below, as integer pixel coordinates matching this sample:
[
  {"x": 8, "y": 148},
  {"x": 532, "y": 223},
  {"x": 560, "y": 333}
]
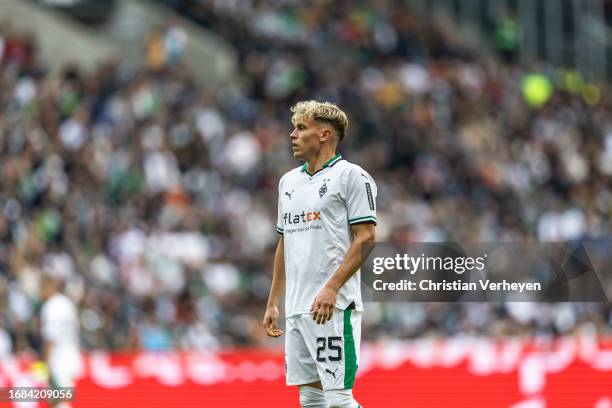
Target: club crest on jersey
[{"x": 323, "y": 188}]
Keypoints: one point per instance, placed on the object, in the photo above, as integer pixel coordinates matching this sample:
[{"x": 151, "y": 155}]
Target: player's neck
[{"x": 315, "y": 164}]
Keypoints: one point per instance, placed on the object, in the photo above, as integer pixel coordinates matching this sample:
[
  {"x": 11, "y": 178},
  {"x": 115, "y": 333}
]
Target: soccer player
[
  {"x": 60, "y": 332},
  {"x": 326, "y": 210}
]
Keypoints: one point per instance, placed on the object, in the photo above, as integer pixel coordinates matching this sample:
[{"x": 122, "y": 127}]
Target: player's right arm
[{"x": 270, "y": 321}]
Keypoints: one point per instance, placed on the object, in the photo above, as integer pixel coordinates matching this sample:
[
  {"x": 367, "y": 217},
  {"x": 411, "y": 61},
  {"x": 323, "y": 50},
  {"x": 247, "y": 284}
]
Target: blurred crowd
[{"x": 155, "y": 198}]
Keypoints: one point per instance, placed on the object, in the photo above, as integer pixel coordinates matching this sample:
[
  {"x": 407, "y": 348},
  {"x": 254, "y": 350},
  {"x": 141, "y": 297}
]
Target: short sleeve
[
  {"x": 279, "y": 216},
  {"x": 360, "y": 197}
]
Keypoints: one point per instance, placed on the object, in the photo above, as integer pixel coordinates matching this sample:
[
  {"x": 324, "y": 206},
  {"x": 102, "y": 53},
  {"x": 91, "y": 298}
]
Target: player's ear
[{"x": 326, "y": 134}]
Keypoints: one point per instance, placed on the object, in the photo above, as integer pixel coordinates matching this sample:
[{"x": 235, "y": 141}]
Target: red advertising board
[{"x": 570, "y": 372}]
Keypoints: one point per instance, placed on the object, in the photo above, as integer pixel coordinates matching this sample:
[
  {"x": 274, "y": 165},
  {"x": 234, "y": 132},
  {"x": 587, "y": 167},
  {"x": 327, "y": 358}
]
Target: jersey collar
[{"x": 328, "y": 163}]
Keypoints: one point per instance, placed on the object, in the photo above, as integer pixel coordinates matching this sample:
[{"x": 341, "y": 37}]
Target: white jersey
[
  {"x": 315, "y": 213},
  {"x": 60, "y": 327}
]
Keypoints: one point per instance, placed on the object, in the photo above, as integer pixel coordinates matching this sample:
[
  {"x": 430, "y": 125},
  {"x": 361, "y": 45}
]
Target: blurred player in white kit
[{"x": 60, "y": 334}]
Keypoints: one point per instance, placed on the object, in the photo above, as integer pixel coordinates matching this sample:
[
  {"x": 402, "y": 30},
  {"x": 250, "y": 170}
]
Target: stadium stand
[{"x": 153, "y": 196}]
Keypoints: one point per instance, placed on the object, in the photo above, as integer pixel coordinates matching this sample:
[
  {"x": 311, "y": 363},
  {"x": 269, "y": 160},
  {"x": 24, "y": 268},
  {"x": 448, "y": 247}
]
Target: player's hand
[
  {"x": 323, "y": 306},
  {"x": 270, "y": 322}
]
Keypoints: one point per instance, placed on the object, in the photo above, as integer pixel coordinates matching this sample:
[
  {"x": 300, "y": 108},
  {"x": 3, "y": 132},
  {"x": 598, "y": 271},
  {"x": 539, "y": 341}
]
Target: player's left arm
[{"x": 323, "y": 306}]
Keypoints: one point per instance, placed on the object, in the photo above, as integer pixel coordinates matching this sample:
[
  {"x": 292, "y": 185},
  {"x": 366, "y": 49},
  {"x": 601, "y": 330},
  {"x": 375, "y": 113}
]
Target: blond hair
[{"x": 321, "y": 112}]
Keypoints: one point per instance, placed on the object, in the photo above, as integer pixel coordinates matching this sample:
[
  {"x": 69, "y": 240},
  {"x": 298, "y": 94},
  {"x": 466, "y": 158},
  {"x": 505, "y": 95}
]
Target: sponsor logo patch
[
  {"x": 333, "y": 373},
  {"x": 370, "y": 198}
]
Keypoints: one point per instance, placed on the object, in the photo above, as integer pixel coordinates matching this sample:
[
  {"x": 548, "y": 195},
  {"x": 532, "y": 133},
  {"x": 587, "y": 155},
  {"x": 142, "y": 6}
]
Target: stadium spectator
[{"x": 153, "y": 194}]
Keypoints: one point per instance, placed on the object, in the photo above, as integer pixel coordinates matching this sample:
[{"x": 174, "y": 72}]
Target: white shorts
[
  {"x": 65, "y": 365},
  {"x": 328, "y": 352}
]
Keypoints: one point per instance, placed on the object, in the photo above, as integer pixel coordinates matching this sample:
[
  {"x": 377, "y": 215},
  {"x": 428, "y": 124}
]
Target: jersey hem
[{"x": 287, "y": 315}]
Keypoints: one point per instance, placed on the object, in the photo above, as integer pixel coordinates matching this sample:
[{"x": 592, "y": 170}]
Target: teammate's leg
[{"x": 312, "y": 396}]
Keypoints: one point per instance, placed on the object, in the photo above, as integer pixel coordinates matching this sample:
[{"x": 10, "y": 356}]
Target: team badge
[{"x": 323, "y": 190}]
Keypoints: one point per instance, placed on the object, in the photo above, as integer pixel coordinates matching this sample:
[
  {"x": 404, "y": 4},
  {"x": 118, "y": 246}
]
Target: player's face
[
  {"x": 49, "y": 287},
  {"x": 305, "y": 139}
]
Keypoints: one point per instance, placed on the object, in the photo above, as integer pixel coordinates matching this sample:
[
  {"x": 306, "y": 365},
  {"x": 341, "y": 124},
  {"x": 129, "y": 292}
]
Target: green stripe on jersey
[
  {"x": 366, "y": 218},
  {"x": 333, "y": 160},
  {"x": 328, "y": 163},
  {"x": 350, "y": 356}
]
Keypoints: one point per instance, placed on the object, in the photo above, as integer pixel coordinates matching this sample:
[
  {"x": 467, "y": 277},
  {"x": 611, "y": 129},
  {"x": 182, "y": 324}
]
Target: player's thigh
[
  {"x": 300, "y": 368},
  {"x": 334, "y": 346}
]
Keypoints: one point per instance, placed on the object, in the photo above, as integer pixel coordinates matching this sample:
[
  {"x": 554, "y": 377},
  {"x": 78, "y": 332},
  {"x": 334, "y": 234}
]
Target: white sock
[
  {"x": 311, "y": 397},
  {"x": 341, "y": 399}
]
